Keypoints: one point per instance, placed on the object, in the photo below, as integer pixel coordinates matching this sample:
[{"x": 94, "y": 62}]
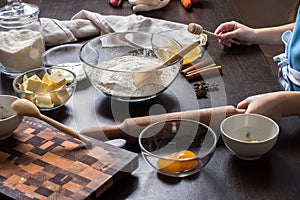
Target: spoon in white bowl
[{"x": 25, "y": 107}]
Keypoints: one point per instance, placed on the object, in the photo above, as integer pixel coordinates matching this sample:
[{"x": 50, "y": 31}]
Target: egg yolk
[
  {"x": 169, "y": 165},
  {"x": 178, "y": 166},
  {"x": 187, "y": 165}
]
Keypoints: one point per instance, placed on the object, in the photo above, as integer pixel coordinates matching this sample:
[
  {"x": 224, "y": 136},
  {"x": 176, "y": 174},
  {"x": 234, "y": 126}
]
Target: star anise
[{"x": 202, "y": 88}]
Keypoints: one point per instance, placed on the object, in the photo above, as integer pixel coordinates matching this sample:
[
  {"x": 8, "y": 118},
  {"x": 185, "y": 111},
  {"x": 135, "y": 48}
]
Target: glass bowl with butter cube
[{"x": 47, "y": 88}]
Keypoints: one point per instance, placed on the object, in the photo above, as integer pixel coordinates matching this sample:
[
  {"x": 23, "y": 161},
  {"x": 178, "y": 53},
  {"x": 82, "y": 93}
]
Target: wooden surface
[
  {"x": 245, "y": 72},
  {"x": 40, "y": 162}
]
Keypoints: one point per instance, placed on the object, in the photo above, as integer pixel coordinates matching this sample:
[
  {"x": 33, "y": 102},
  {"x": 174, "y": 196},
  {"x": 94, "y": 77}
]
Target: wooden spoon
[
  {"x": 27, "y": 108},
  {"x": 139, "y": 77}
]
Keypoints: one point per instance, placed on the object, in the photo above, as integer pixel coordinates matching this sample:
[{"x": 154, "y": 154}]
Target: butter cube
[
  {"x": 46, "y": 79},
  {"x": 47, "y": 87},
  {"x": 35, "y": 77},
  {"x": 27, "y": 96},
  {"x": 25, "y": 78},
  {"x": 23, "y": 86},
  {"x": 43, "y": 100},
  {"x": 34, "y": 85},
  {"x": 60, "y": 97},
  {"x": 58, "y": 79}
]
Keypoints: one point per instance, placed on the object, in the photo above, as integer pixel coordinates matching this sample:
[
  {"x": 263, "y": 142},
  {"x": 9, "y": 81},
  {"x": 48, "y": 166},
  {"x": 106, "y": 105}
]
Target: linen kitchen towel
[{"x": 87, "y": 24}]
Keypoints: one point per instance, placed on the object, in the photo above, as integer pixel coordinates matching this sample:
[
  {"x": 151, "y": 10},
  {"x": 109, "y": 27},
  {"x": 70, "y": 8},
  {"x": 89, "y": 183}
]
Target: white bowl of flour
[{"x": 112, "y": 61}]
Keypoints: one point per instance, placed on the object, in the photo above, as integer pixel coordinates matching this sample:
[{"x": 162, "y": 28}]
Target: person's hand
[
  {"x": 268, "y": 104},
  {"x": 236, "y": 31},
  {"x": 147, "y": 5}
]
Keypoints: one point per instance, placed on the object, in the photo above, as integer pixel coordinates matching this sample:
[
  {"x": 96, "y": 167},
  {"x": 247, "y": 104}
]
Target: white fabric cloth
[
  {"x": 147, "y": 5},
  {"x": 86, "y": 24},
  {"x": 286, "y": 74}
]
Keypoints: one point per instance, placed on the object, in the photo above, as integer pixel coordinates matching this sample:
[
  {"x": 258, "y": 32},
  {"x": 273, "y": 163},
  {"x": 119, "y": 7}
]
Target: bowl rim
[
  {"x": 211, "y": 149},
  {"x": 72, "y": 84},
  {"x": 245, "y": 141},
  {"x": 44, "y": 63},
  {"x": 15, "y": 114},
  {"x": 126, "y": 32},
  {"x": 191, "y": 35}
]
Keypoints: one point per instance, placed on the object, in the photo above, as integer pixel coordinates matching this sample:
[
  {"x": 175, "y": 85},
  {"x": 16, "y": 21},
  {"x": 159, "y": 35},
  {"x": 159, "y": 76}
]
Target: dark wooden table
[{"x": 246, "y": 72}]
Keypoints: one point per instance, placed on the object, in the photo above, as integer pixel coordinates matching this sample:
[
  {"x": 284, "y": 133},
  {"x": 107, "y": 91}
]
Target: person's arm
[
  {"x": 248, "y": 36},
  {"x": 271, "y": 35},
  {"x": 274, "y": 105}
]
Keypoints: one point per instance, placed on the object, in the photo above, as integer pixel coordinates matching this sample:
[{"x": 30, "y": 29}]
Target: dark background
[{"x": 258, "y": 13}]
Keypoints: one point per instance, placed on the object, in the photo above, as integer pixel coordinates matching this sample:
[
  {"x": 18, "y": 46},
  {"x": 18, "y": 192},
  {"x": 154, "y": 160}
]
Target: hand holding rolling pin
[{"x": 224, "y": 39}]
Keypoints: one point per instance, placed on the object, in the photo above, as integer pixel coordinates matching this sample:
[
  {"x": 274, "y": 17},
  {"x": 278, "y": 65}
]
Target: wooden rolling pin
[{"x": 130, "y": 128}]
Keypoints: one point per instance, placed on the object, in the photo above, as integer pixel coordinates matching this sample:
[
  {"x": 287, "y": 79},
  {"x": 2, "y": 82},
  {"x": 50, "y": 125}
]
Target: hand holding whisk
[{"x": 198, "y": 29}]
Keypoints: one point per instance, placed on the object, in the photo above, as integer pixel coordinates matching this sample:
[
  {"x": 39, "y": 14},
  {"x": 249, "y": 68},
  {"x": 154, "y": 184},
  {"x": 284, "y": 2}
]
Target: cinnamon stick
[
  {"x": 198, "y": 73},
  {"x": 197, "y": 69},
  {"x": 196, "y": 66}
]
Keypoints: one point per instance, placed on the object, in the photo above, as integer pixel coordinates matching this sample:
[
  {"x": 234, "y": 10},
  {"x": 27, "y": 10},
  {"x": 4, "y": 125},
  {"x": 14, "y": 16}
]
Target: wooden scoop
[
  {"x": 131, "y": 127},
  {"x": 139, "y": 77},
  {"x": 27, "y": 108},
  {"x": 198, "y": 29}
]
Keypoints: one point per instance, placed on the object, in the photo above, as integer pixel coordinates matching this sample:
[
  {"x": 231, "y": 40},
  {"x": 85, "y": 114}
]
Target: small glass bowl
[
  {"x": 183, "y": 37},
  {"x": 58, "y": 97},
  {"x": 167, "y": 146},
  {"x": 66, "y": 56}
]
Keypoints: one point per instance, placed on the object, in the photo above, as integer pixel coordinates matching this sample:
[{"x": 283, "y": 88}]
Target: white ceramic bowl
[
  {"x": 9, "y": 120},
  {"x": 249, "y": 136}
]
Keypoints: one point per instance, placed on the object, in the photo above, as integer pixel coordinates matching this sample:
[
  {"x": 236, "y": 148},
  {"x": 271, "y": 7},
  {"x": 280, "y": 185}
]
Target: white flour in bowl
[
  {"x": 5, "y": 113},
  {"x": 116, "y": 76}
]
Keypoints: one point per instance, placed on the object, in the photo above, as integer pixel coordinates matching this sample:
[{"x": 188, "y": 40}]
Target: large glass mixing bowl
[{"x": 127, "y": 66}]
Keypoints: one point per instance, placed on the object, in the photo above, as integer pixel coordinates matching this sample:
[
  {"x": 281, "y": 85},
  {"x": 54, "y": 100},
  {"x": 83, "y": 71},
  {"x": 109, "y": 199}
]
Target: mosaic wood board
[{"x": 40, "y": 162}]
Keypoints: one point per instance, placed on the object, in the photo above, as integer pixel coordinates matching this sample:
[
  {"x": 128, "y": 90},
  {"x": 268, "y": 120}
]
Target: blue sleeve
[{"x": 294, "y": 49}]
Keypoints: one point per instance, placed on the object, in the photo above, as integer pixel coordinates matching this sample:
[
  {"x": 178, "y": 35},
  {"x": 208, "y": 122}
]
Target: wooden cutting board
[{"x": 40, "y": 162}]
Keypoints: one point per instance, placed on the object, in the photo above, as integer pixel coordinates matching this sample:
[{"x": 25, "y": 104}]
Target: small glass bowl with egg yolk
[{"x": 177, "y": 148}]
